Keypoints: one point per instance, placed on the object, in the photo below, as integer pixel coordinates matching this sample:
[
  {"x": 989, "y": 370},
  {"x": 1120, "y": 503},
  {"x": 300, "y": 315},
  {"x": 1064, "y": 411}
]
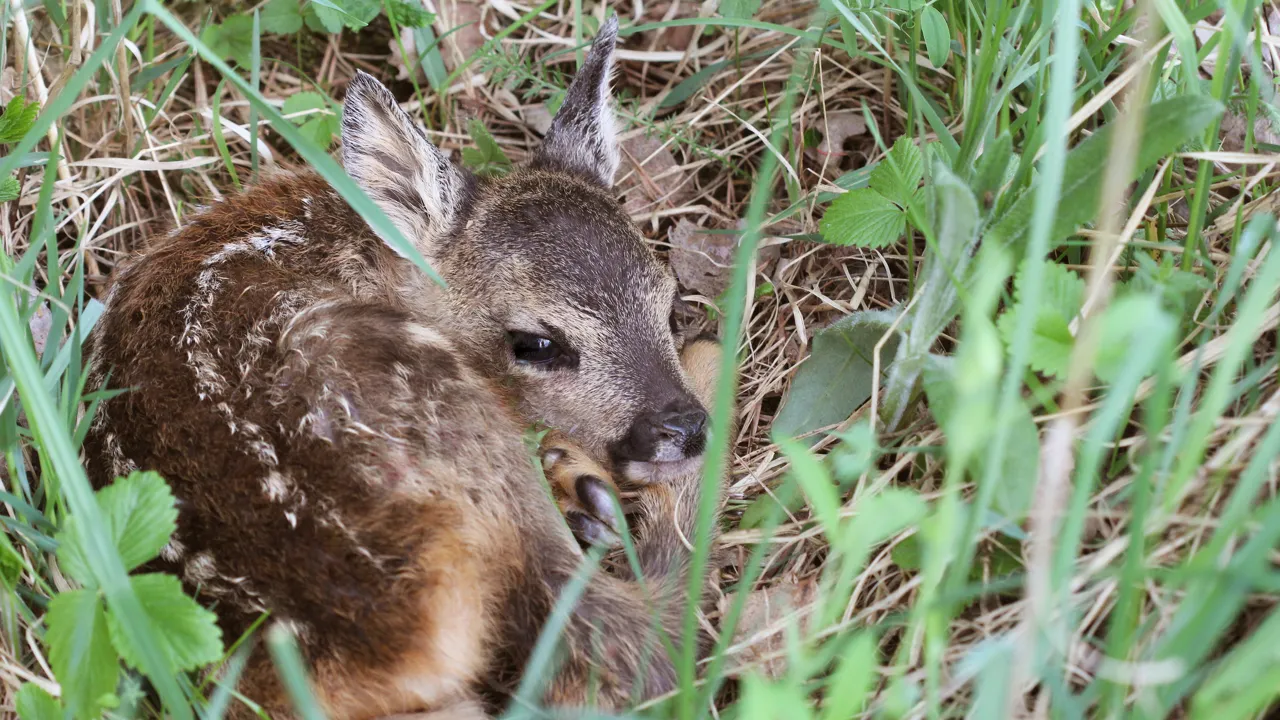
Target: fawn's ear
[
  {"x": 582, "y": 138},
  {"x": 392, "y": 160}
]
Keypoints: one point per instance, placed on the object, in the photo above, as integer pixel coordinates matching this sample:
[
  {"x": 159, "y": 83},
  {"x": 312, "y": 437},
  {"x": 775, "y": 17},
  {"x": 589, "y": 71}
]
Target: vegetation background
[{"x": 1002, "y": 275}]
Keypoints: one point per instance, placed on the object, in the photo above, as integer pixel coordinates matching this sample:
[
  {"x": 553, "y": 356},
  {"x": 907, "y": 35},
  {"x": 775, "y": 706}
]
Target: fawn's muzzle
[{"x": 676, "y": 432}]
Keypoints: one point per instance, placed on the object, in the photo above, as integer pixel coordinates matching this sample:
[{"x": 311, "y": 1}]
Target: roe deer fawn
[{"x": 345, "y": 437}]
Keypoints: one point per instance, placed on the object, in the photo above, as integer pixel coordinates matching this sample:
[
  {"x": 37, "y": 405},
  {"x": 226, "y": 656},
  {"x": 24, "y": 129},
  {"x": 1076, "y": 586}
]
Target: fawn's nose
[{"x": 675, "y": 432}]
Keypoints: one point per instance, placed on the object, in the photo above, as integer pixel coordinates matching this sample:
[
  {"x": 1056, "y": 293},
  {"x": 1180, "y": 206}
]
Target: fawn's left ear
[{"x": 583, "y": 139}]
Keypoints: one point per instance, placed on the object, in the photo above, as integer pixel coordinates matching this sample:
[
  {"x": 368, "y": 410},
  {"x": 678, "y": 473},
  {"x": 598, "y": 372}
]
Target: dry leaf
[
  {"x": 408, "y": 61},
  {"x": 657, "y": 183},
  {"x": 537, "y": 117},
  {"x": 41, "y": 323},
  {"x": 1234, "y": 127},
  {"x": 839, "y": 127},
  {"x": 701, "y": 260},
  {"x": 765, "y": 617},
  {"x": 459, "y": 46}
]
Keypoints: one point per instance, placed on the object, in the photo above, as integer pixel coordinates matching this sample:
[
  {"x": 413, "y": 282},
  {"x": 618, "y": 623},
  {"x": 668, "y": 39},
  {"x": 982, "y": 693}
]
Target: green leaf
[
  {"x": 154, "y": 71},
  {"x": 231, "y": 39},
  {"x": 1247, "y": 681},
  {"x": 283, "y": 17},
  {"x": 408, "y": 15},
  {"x": 937, "y": 39},
  {"x": 1021, "y": 460},
  {"x": 1135, "y": 318},
  {"x": 10, "y": 188},
  {"x": 319, "y": 128},
  {"x": 140, "y": 515},
  {"x": 994, "y": 164},
  {"x": 1168, "y": 125},
  {"x": 80, "y": 651},
  {"x": 739, "y": 9},
  {"x": 850, "y": 684},
  {"x": 1051, "y": 340},
  {"x": 864, "y": 218},
  {"x": 898, "y": 175},
  {"x": 33, "y": 703},
  {"x": 188, "y": 634},
  {"x": 334, "y": 15},
  {"x": 486, "y": 158},
  {"x": 836, "y": 378},
  {"x": 19, "y": 115}
]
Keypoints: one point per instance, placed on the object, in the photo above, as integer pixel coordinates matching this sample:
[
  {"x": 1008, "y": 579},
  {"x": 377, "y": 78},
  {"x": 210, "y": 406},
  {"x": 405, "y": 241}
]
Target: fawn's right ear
[{"x": 392, "y": 160}]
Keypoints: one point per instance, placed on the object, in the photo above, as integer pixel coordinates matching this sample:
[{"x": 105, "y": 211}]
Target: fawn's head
[{"x": 550, "y": 286}]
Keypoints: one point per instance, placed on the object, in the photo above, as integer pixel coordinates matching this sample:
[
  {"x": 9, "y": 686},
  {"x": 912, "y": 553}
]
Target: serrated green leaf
[
  {"x": 283, "y": 17},
  {"x": 739, "y": 9},
  {"x": 188, "y": 634},
  {"x": 18, "y": 117},
  {"x": 937, "y": 39},
  {"x": 1051, "y": 340},
  {"x": 80, "y": 651},
  {"x": 836, "y": 378},
  {"x": 33, "y": 703},
  {"x": 140, "y": 515},
  {"x": 898, "y": 175},
  {"x": 408, "y": 15},
  {"x": 1168, "y": 125},
  {"x": 1135, "y": 318},
  {"x": 10, "y": 188},
  {"x": 232, "y": 38},
  {"x": 864, "y": 218}
]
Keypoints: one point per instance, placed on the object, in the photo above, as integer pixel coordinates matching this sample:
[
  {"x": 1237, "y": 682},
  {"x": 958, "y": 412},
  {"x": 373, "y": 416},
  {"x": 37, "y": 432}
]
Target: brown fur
[{"x": 345, "y": 438}]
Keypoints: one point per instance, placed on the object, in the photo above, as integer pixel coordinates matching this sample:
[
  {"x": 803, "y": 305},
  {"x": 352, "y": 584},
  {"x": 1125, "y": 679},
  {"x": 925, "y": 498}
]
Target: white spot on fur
[
  {"x": 290, "y": 233},
  {"x": 120, "y": 465},
  {"x": 200, "y": 568},
  {"x": 276, "y": 486},
  {"x": 173, "y": 550},
  {"x": 292, "y": 517}
]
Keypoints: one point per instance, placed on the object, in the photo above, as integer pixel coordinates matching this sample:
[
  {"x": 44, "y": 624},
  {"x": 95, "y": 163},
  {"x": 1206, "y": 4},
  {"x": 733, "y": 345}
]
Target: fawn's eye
[{"x": 533, "y": 349}]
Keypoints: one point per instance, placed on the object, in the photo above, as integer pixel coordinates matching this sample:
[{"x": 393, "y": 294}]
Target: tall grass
[{"x": 1062, "y": 503}]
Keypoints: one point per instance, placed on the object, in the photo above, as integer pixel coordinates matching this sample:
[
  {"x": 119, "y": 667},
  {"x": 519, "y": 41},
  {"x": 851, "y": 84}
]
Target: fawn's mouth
[{"x": 661, "y": 471}]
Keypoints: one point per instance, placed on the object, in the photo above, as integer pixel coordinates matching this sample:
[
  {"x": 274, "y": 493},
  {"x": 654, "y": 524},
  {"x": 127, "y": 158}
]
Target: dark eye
[{"x": 533, "y": 349}]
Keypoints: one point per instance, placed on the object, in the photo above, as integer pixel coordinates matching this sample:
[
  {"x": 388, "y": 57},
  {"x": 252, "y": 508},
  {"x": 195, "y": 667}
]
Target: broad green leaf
[
  {"x": 992, "y": 661},
  {"x": 1168, "y": 125},
  {"x": 188, "y": 634},
  {"x": 320, "y": 19},
  {"x": 1021, "y": 461},
  {"x": 850, "y": 684},
  {"x": 80, "y": 651},
  {"x": 1128, "y": 320},
  {"x": 993, "y": 165},
  {"x": 283, "y": 17},
  {"x": 864, "y": 218},
  {"x": 33, "y": 703},
  {"x": 408, "y": 15},
  {"x": 140, "y": 515},
  {"x": 10, "y": 189},
  {"x": 937, "y": 39},
  {"x": 1051, "y": 340},
  {"x": 836, "y": 378},
  {"x": 486, "y": 158},
  {"x": 740, "y": 9},
  {"x": 898, "y": 175},
  {"x": 812, "y": 477},
  {"x": 19, "y": 115},
  {"x": 334, "y": 15},
  {"x": 231, "y": 39},
  {"x": 320, "y": 128}
]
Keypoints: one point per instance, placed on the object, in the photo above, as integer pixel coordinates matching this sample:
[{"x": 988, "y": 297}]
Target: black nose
[{"x": 676, "y": 432}]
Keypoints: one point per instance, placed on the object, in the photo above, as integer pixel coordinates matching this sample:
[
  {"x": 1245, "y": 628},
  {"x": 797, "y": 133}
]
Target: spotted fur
[{"x": 345, "y": 438}]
